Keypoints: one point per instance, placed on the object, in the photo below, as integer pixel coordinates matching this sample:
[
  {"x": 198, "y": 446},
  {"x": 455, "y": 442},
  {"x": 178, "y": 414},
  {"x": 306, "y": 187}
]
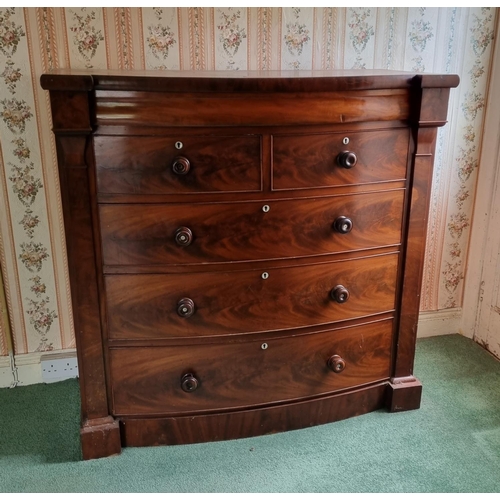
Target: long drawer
[
  {"x": 180, "y": 164},
  {"x": 312, "y": 160},
  {"x": 212, "y": 304},
  {"x": 150, "y": 381},
  {"x": 231, "y": 232}
]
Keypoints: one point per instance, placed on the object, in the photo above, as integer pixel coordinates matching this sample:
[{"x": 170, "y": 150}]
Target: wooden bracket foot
[
  {"x": 403, "y": 394},
  {"x": 100, "y": 438}
]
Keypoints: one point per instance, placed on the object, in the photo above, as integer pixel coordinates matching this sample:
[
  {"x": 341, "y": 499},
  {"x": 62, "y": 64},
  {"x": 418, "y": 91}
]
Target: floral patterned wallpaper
[{"x": 35, "y": 40}]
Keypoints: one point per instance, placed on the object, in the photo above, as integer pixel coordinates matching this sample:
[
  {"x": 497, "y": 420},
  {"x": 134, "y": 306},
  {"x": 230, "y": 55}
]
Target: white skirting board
[
  {"x": 6, "y": 376},
  {"x": 29, "y": 367},
  {"x": 434, "y": 323}
]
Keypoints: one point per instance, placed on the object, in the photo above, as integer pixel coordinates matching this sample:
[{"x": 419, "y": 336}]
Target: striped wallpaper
[{"x": 35, "y": 40}]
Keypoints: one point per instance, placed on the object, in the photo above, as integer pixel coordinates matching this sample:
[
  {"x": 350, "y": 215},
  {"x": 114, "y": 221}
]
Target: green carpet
[{"x": 452, "y": 444}]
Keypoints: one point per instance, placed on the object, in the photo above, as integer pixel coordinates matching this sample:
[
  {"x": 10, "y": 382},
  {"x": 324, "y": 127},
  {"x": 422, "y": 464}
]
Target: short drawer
[
  {"x": 224, "y": 232},
  {"x": 243, "y": 374},
  {"x": 312, "y": 160},
  {"x": 183, "y": 164},
  {"x": 213, "y": 304}
]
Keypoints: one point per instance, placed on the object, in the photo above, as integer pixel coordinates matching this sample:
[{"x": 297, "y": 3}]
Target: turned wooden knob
[
  {"x": 181, "y": 165},
  {"x": 340, "y": 294},
  {"x": 185, "y": 307},
  {"x": 336, "y": 363},
  {"x": 189, "y": 383},
  {"x": 183, "y": 236},
  {"x": 342, "y": 224},
  {"x": 347, "y": 159}
]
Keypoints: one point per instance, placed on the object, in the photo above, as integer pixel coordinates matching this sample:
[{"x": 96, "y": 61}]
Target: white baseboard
[
  {"x": 445, "y": 322},
  {"x": 6, "y": 377},
  {"x": 29, "y": 368}
]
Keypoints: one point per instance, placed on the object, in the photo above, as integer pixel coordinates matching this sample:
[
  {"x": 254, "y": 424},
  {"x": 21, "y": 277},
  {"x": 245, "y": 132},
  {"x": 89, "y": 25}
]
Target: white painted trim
[
  {"x": 444, "y": 322},
  {"x": 29, "y": 367},
  {"x": 490, "y": 148},
  {"x": 6, "y": 377}
]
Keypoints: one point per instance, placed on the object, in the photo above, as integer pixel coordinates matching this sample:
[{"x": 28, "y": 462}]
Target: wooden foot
[
  {"x": 403, "y": 394},
  {"x": 100, "y": 438}
]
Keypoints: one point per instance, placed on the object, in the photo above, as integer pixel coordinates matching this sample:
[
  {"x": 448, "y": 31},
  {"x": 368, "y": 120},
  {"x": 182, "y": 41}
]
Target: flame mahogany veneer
[{"x": 245, "y": 249}]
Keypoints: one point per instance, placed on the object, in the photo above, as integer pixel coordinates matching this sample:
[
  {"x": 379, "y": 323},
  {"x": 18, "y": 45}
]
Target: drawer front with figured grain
[
  {"x": 231, "y": 232},
  {"x": 255, "y": 108},
  {"x": 212, "y": 304},
  {"x": 325, "y": 160},
  {"x": 176, "y": 165},
  {"x": 180, "y": 379}
]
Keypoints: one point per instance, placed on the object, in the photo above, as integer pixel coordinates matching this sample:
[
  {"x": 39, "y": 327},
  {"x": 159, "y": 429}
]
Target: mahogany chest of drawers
[{"x": 245, "y": 249}]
